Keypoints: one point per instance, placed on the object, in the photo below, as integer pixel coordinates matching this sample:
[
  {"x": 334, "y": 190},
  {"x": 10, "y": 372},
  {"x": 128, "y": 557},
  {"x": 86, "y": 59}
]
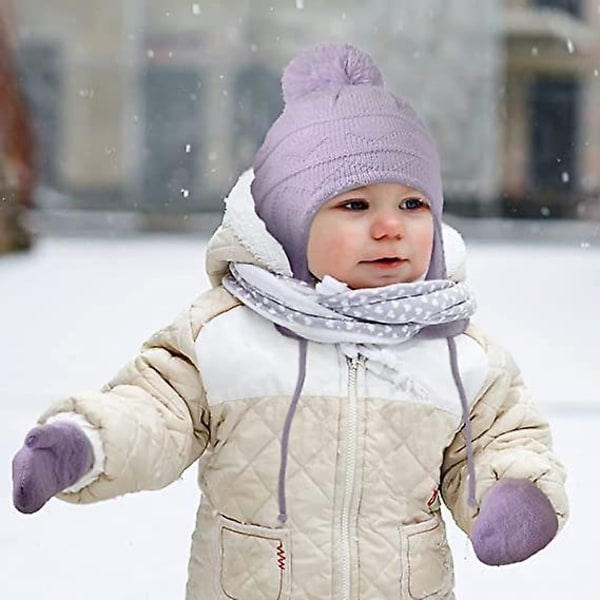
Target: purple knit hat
[{"x": 340, "y": 129}]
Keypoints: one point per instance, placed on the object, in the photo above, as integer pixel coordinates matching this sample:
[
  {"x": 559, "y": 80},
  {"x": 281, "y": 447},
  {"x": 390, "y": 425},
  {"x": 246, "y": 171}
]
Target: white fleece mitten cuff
[{"x": 93, "y": 436}]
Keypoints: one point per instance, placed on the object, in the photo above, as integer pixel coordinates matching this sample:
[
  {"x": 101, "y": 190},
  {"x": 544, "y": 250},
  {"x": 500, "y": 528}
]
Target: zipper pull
[{"x": 356, "y": 361}]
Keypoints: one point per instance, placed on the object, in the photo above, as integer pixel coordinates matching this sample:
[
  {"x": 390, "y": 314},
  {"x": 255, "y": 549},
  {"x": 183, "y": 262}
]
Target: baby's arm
[
  {"x": 511, "y": 443},
  {"x": 151, "y": 419}
]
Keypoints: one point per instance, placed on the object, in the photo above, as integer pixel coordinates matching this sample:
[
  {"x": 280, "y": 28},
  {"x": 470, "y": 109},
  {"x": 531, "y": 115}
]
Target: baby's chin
[
  {"x": 366, "y": 284},
  {"x": 358, "y": 283},
  {"x": 361, "y": 283}
]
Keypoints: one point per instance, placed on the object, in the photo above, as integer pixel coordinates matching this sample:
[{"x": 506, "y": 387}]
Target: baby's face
[{"x": 372, "y": 236}]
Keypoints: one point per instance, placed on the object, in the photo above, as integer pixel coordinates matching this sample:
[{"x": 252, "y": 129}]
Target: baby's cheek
[
  {"x": 336, "y": 252},
  {"x": 334, "y": 245},
  {"x": 326, "y": 256}
]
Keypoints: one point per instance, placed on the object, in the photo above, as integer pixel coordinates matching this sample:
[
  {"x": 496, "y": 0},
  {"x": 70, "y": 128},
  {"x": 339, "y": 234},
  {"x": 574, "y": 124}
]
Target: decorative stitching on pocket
[{"x": 253, "y": 557}]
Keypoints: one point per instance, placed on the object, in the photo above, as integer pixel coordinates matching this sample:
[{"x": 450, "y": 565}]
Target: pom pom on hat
[{"x": 328, "y": 66}]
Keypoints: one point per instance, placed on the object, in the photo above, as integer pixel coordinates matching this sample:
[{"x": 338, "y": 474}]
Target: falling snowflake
[{"x": 570, "y": 46}]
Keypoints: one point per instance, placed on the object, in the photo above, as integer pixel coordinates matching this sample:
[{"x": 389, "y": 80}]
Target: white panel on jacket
[{"x": 241, "y": 355}]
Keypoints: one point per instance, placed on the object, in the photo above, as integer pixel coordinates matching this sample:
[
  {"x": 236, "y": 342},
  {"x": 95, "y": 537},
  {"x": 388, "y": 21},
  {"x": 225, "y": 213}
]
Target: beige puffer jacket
[{"x": 365, "y": 461}]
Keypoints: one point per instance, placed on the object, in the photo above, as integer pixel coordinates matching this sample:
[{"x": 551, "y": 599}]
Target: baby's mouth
[{"x": 386, "y": 261}]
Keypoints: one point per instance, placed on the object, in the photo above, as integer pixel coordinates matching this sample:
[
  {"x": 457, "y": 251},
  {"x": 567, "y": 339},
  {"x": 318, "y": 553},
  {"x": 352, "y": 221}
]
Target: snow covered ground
[{"x": 73, "y": 310}]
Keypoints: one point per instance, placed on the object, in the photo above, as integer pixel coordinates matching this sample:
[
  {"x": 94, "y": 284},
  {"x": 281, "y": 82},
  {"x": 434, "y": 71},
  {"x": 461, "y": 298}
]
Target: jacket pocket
[
  {"x": 427, "y": 570},
  {"x": 255, "y": 561}
]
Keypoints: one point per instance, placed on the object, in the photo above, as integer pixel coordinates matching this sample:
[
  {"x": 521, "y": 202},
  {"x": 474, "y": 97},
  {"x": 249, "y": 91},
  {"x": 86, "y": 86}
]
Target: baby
[{"x": 330, "y": 383}]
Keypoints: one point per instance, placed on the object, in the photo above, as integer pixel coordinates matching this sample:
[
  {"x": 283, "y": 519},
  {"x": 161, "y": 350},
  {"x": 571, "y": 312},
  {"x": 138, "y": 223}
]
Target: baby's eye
[
  {"x": 356, "y": 205},
  {"x": 413, "y": 204}
]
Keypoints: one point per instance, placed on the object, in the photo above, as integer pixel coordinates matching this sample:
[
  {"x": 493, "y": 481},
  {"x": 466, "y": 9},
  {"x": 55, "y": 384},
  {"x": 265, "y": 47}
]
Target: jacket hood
[{"x": 243, "y": 237}]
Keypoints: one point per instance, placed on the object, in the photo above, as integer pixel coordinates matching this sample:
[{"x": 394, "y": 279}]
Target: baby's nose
[{"x": 388, "y": 224}]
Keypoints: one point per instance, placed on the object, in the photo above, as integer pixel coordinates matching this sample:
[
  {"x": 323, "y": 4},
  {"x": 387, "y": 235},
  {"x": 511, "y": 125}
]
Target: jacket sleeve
[
  {"x": 152, "y": 417},
  {"x": 510, "y": 439}
]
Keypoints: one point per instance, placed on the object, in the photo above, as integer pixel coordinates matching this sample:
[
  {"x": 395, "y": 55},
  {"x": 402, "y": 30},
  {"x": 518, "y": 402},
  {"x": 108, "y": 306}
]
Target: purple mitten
[
  {"x": 53, "y": 458},
  {"x": 515, "y": 521}
]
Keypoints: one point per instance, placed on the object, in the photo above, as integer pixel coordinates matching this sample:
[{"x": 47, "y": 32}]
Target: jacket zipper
[{"x": 352, "y": 430}]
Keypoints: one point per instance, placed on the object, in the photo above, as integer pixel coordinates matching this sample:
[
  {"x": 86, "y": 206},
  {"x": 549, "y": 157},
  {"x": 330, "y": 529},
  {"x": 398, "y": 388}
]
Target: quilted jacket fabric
[{"x": 365, "y": 464}]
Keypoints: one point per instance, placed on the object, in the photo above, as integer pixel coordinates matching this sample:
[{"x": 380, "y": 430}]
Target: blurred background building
[
  {"x": 156, "y": 106},
  {"x": 551, "y": 132}
]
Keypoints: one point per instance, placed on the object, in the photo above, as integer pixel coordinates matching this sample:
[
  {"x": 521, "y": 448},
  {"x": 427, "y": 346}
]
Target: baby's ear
[{"x": 455, "y": 253}]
